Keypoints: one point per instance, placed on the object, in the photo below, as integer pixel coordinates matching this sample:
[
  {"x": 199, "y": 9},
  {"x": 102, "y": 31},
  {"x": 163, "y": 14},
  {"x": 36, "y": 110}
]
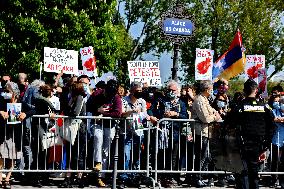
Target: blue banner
[{"x": 175, "y": 26}]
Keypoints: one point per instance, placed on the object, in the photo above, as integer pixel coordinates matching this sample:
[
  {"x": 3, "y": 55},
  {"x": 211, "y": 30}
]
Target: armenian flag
[{"x": 232, "y": 62}]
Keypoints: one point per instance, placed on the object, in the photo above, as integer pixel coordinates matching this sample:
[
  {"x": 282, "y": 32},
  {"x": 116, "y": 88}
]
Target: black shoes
[
  {"x": 36, "y": 183},
  {"x": 221, "y": 183},
  {"x": 66, "y": 183}
]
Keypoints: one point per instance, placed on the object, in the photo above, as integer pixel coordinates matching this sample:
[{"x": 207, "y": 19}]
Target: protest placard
[
  {"x": 262, "y": 81},
  {"x": 88, "y": 61},
  {"x": 56, "y": 60},
  {"x": 145, "y": 72},
  {"x": 203, "y": 64},
  {"x": 253, "y": 64},
  {"x": 14, "y": 110}
]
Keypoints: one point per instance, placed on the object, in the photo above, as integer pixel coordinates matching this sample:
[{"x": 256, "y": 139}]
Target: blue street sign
[{"x": 175, "y": 26}]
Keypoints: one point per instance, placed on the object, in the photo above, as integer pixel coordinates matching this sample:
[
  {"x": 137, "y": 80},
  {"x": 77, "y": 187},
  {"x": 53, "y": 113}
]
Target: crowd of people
[{"x": 257, "y": 123}]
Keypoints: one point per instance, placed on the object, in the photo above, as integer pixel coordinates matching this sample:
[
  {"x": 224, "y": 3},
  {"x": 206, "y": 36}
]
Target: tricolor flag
[{"x": 232, "y": 62}]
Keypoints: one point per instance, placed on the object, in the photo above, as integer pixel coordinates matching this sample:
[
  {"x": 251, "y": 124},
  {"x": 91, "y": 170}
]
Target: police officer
[{"x": 255, "y": 127}]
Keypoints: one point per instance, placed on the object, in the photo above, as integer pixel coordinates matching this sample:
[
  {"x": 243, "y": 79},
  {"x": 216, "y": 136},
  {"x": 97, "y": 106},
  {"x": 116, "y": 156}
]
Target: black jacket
[{"x": 255, "y": 121}]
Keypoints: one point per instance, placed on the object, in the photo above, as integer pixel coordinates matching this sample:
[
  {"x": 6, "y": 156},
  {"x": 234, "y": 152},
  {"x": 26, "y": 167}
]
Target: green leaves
[
  {"x": 217, "y": 21},
  {"x": 27, "y": 26}
]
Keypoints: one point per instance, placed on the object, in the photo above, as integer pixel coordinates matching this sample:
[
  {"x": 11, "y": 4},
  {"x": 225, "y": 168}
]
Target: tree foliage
[
  {"x": 27, "y": 26},
  {"x": 144, "y": 15},
  {"x": 217, "y": 21}
]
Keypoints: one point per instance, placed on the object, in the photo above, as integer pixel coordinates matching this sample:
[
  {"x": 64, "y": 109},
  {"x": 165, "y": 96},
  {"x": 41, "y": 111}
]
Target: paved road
[
  {"x": 59, "y": 180},
  {"x": 142, "y": 187},
  {"x": 18, "y": 186}
]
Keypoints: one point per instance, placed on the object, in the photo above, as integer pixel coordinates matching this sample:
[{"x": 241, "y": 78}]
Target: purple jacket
[{"x": 98, "y": 99}]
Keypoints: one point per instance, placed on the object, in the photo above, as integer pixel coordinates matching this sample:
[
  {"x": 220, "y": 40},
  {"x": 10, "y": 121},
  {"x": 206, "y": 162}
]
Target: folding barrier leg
[{"x": 114, "y": 175}]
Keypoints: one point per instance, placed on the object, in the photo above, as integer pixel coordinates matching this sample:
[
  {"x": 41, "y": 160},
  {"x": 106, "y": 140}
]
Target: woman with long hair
[{"x": 76, "y": 153}]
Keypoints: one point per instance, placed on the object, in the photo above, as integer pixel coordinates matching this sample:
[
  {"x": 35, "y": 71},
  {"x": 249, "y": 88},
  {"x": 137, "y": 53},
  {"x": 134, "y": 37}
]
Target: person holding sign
[{"x": 10, "y": 138}]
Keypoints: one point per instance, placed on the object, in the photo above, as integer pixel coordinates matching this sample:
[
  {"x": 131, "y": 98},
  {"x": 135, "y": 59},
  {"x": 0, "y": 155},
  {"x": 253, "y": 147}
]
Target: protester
[
  {"x": 204, "y": 115},
  {"x": 65, "y": 95},
  {"x": 276, "y": 90},
  {"x": 54, "y": 99},
  {"x": 255, "y": 129},
  {"x": 5, "y": 78},
  {"x": 43, "y": 106},
  {"x": 133, "y": 105},
  {"x": 28, "y": 103},
  {"x": 121, "y": 91},
  {"x": 10, "y": 139},
  {"x": 187, "y": 96},
  {"x": 169, "y": 106},
  {"x": 23, "y": 84},
  {"x": 106, "y": 103},
  {"x": 278, "y": 139},
  {"x": 238, "y": 97},
  {"x": 76, "y": 153},
  {"x": 221, "y": 104},
  {"x": 100, "y": 85}
]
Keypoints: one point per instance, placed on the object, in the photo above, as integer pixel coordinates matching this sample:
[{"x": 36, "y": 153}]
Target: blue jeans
[{"x": 132, "y": 151}]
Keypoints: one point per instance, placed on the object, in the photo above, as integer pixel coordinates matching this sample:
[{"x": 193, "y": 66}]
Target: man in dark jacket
[
  {"x": 255, "y": 126},
  {"x": 169, "y": 106}
]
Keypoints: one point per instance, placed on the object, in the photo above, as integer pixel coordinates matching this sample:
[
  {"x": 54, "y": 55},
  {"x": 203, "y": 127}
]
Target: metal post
[
  {"x": 148, "y": 150},
  {"x": 114, "y": 173},
  {"x": 40, "y": 70},
  {"x": 156, "y": 154},
  {"x": 175, "y": 62}
]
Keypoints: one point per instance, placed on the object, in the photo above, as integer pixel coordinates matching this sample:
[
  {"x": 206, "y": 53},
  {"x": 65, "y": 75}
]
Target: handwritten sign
[
  {"x": 203, "y": 64},
  {"x": 145, "y": 72},
  {"x": 175, "y": 26},
  {"x": 56, "y": 60},
  {"x": 253, "y": 64},
  {"x": 88, "y": 61}
]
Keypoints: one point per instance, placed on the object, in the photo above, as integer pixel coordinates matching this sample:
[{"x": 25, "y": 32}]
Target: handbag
[
  {"x": 49, "y": 138},
  {"x": 70, "y": 128}
]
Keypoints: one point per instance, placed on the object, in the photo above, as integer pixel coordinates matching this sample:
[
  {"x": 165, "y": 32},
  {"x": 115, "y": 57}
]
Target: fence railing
[{"x": 107, "y": 145}]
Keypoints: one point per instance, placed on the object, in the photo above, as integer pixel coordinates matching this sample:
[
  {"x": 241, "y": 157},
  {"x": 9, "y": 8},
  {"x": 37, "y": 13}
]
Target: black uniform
[{"x": 255, "y": 128}]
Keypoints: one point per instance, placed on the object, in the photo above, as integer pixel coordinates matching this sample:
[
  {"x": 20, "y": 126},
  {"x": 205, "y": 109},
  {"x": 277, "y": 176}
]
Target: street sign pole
[
  {"x": 175, "y": 62},
  {"x": 177, "y": 27}
]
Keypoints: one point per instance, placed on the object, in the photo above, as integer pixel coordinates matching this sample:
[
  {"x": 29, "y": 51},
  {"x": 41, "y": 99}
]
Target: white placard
[
  {"x": 203, "y": 64},
  {"x": 253, "y": 64},
  {"x": 145, "y": 72},
  {"x": 88, "y": 61},
  {"x": 56, "y": 60}
]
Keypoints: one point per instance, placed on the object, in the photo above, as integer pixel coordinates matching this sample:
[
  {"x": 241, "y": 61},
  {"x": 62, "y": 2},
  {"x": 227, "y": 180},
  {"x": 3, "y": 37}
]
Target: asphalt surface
[
  {"x": 57, "y": 181},
  {"x": 17, "y": 185}
]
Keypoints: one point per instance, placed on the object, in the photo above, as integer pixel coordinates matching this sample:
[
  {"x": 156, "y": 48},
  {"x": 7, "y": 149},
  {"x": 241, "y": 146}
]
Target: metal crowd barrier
[
  {"x": 188, "y": 167},
  {"x": 173, "y": 138},
  {"x": 43, "y": 149}
]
